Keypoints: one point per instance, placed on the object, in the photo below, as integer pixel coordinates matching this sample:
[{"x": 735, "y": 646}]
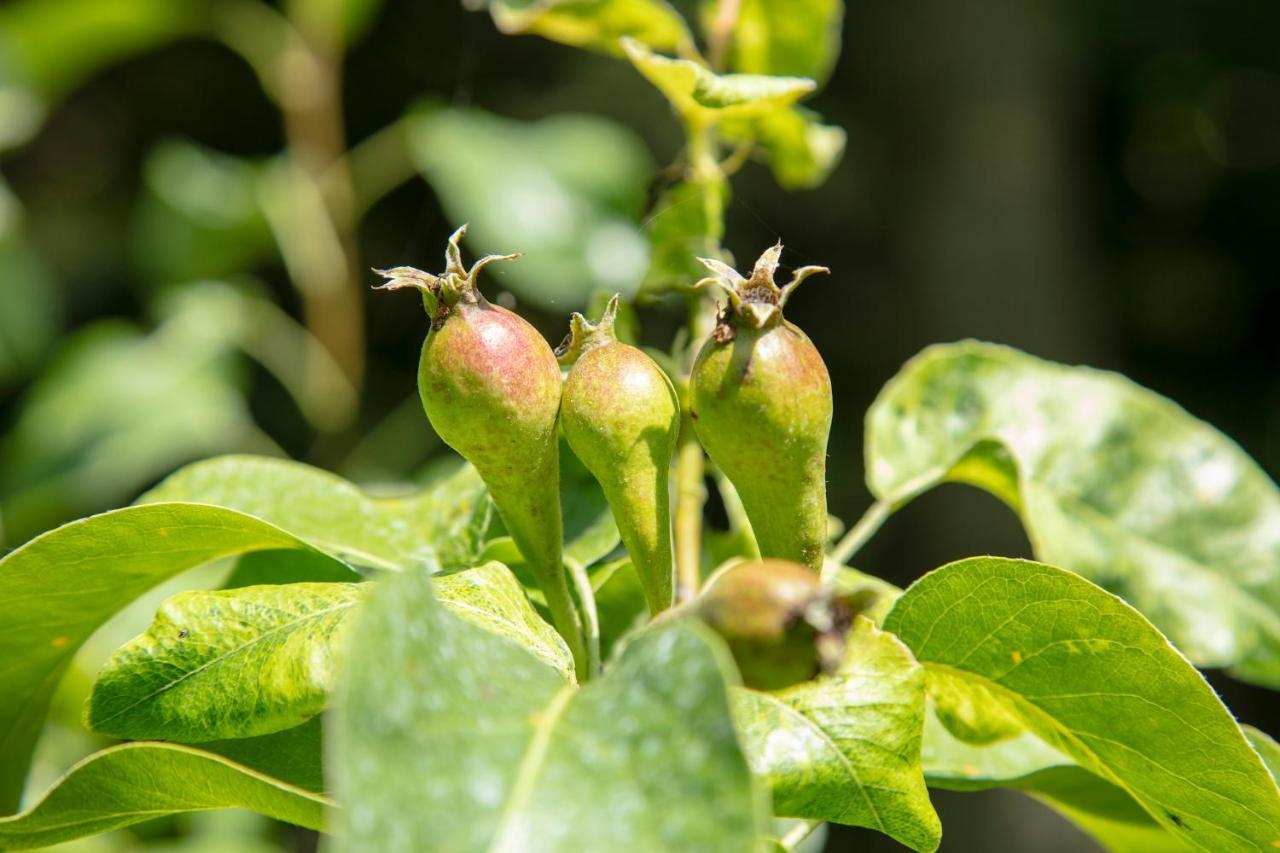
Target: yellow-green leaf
[{"x": 595, "y": 24}]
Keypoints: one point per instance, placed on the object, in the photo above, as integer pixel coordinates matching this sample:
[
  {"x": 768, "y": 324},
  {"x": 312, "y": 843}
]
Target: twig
[{"x": 857, "y": 536}]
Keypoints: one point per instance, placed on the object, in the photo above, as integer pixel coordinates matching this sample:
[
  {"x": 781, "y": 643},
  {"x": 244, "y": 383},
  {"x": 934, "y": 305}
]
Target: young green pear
[
  {"x": 621, "y": 416},
  {"x": 781, "y": 624},
  {"x": 490, "y": 386},
  {"x": 761, "y": 407}
]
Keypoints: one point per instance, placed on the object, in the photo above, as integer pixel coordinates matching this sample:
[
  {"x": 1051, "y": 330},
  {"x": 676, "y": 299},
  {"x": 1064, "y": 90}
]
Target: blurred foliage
[{"x": 567, "y": 191}]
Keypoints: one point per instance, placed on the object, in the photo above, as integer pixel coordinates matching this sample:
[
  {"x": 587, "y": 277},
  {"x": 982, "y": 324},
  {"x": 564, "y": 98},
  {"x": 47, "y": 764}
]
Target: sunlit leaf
[
  {"x": 595, "y": 24},
  {"x": 1111, "y": 481},
  {"x": 700, "y": 94},
  {"x": 59, "y": 588},
  {"x": 134, "y": 782},
  {"x": 791, "y": 37},
  {"x": 799, "y": 149},
  {"x": 1091, "y": 677},
  {"x": 567, "y": 191},
  {"x": 225, "y": 664},
  {"x": 436, "y": 528},
  {"x": 436, "y": 752},
  {"x": 1027, "y": 764},
  {"x": 490, "y": 596},
  {"x": 846, "y": 747}
]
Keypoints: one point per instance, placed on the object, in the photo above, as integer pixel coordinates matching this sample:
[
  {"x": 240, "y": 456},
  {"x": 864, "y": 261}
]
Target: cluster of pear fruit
[{"x": 759, "y": 400}]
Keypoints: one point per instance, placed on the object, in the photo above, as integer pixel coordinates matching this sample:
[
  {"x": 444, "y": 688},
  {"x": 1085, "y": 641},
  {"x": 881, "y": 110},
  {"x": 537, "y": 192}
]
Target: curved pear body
[
  {"x": 490, "y": 386},
  {"x": 761, "y": 406},
  {"x": 621, "y": 417}
]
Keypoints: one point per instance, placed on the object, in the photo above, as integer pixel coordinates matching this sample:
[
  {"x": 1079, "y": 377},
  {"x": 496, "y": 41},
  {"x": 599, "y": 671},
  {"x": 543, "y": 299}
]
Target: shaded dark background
[{"x": 1092, "y": 182}]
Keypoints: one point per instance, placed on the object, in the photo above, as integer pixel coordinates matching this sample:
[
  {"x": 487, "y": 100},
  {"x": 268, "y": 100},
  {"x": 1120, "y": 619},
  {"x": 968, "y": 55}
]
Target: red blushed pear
[
  {"x": 761, "y": 404},
  {"x": 621, "y": 417},
  {"x": 490, "y": 386}
]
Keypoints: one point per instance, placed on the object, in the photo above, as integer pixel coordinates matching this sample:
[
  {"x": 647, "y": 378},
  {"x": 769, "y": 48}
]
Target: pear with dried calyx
[
  {"x": 621, "y": 416},
  {"x": 490, "y": 386},
  {"x": 760, "y": 399}
]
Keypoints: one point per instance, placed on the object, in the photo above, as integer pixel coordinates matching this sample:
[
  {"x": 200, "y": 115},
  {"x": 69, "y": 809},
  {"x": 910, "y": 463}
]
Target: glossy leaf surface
[{"x": 1091, "y": 677}]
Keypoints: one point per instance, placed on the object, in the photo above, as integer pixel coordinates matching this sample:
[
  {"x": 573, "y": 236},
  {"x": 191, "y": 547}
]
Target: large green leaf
[
  {"x": 567, "y": 190},
  {"x": 1091, "y": 677},
  {"x": 595, "y": 24},
  {"x": 1025, "y": 763},
  {"x": 58, "y": 588},
  {"x": 225, "y": 664},
  {"x": 450, "y": 738},
  {"x": 133, "y": 782},
  {"x": 440, "y": 527},
  {"x": 704, "y": 96},
  {"x": 789, "y": 37},
  {"x": 846, "y": 747},
  {"x": 1111, "y": 481},
  {"x": 250, "y": 661}
]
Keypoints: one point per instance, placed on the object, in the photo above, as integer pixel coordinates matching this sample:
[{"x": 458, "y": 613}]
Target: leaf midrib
[
  {"x": 315, "y": 614},
  {"x": 530, "y": 766},
  {"x": 1018, "y": 700}
]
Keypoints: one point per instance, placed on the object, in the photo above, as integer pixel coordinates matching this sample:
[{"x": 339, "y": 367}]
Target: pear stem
[
  {"x": 857, "y": 536},
  {"x": 565, "y": 617},
  {"x": 590, "y": 616},
  {"x": 691, "y": 494}
]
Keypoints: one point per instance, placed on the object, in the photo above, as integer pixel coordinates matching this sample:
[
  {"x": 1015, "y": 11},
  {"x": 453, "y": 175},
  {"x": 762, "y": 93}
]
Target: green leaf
[
  {"x": 57, "y": 589},
  {"x": 1111, "y": 481},
  {"x": 1266, "y": 748},
  {"x": 491, "y": 597},
  {"x": 185, "y": 678},
  {"x": 1025, "y": 763},
  {"x": 701, "y": 95},
  {"x": 54, "y": 45},
  {"x": 133, "y": 782},
  {"x": 567, "y": 190},
  {"x": 846, "y": 748},
  {"x": 681, "y": 229},
  {"x": 1089, "y": 675},
  {"x": 435, "y": 528},
  {"x": 790, "y": 37},
  {"x": 265, "y": 567},
  {"x": 293, "y": 755},
  {"x": 620, "y": 602},
  {"x": 225, "y": 664},
  {"x": 595, "y": 24},
  {"x": 801, "y": 151},
  {"x": 437, "y": 752}
]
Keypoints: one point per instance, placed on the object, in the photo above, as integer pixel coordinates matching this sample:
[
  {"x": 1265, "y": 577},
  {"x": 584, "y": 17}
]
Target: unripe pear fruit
[
  {"x": 490, "y": 386},
  {"x": 761, "y": 406},
  {"x": 782, "y": 625},
  {"x": 621, "y": 416}
]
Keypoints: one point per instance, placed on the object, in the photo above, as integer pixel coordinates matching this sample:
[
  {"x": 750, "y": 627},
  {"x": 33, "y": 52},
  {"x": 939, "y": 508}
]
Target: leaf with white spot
[
  {"x": 1111, "y": 480},
  {"x": 452, "y": 739}
]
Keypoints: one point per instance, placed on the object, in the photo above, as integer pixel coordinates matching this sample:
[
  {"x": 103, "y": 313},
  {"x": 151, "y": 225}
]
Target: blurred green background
[{"x": 184, "y": 254}]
